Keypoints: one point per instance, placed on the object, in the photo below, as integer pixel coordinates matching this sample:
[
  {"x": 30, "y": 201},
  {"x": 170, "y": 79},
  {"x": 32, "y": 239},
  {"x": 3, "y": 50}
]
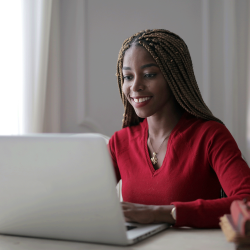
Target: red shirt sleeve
[{"x": 233, "y": 173}]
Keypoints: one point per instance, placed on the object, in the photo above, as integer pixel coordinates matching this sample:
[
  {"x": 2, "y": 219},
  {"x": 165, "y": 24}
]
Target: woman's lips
[{"x": 141, "y": 101}]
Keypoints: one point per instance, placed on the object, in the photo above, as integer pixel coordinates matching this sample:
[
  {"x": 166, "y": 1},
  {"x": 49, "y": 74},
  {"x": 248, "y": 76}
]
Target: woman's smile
[
  {"x": 140, "y": 99},
  {"x": 138, "y": 102}
]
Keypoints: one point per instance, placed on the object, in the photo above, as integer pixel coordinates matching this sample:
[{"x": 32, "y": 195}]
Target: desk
[{"x": 183, "y": 238}]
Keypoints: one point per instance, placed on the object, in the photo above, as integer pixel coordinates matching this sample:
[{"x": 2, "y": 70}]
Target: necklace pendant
[{"x": 154, "y": 159}]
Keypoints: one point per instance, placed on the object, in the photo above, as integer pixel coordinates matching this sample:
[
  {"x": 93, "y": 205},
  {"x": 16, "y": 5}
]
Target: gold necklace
[{"x": 154, "y": 159}]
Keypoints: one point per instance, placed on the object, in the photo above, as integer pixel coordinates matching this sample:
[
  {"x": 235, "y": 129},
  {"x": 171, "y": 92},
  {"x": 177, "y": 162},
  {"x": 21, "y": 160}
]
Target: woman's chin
[{"x": 142, "y": 115}]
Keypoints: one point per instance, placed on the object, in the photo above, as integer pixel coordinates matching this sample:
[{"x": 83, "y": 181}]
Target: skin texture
[{"x": 143, "y": 78}]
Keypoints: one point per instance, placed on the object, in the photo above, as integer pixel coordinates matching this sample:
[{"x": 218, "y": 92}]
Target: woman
[{"x": 172, "y": 155}]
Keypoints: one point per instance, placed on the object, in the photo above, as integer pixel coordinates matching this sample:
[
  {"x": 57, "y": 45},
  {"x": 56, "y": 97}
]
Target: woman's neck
[{"x": 161, "y": 125}]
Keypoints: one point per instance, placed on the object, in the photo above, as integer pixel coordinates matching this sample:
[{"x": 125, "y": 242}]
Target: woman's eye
[
  {"x": 127, "y": 78},
  {"x": 149, "y": 75}
]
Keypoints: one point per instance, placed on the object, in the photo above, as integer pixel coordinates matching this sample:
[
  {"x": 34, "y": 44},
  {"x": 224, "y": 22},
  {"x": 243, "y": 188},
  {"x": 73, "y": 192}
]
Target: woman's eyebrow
[
  {"x": 126, "y": 68},
  {"x": 149, "y": 65},
  {"x": 143, "y": 66}
]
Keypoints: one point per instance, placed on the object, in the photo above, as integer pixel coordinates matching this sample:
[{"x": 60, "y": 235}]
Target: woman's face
[{"x": 144, "y": 84}]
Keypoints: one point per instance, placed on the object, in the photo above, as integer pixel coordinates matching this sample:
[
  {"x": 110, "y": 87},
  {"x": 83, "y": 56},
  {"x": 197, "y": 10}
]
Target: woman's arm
[{"x": 233, "y": 173}]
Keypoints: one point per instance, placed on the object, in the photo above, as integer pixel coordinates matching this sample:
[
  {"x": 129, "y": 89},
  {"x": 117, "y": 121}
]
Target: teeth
[{"x": 142, "y": 99}]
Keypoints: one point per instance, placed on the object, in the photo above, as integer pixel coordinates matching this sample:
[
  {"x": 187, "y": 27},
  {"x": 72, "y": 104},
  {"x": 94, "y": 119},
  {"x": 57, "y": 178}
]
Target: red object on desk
[{"x": 240, "y": 211}]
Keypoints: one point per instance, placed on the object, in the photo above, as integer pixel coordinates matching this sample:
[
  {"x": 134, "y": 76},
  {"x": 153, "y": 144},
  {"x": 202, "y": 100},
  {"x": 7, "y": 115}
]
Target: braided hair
[{"x": 172, "y": 56}]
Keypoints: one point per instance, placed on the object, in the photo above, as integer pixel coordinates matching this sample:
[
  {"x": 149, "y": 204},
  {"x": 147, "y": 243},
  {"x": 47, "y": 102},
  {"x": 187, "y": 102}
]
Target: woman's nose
[{"x": 137, "y": 85}]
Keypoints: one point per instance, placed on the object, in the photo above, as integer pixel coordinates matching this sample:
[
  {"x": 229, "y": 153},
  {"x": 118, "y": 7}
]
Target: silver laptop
[{"x": 63, "y": 187}]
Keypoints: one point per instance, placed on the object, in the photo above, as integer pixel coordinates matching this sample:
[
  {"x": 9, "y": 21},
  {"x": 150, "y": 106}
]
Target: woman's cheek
[{"x": 125, "y": 90}]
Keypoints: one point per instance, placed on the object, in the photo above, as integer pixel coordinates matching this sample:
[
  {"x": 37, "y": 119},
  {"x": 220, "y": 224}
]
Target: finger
[
  {"x": 127, "y": 206},
  {"x": 128, "y": 219},
  {"x": 129, "y": 215}
]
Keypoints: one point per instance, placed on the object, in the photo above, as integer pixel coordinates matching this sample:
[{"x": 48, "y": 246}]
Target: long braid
[{"x": 172, "y": 56}]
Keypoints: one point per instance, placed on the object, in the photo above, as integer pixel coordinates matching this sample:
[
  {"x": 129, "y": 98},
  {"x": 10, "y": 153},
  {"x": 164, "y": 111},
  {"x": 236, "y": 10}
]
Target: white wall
[
  {"x": 92, "y": 32},
  {"x": 106, "y": 25}
]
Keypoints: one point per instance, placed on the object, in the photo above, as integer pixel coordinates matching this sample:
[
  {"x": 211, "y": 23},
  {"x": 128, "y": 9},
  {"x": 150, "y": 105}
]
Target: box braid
[{"x": 172, "y": 56}]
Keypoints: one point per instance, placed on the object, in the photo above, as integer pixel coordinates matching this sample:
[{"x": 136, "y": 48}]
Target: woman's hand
[{"x": 147, "y": 214}]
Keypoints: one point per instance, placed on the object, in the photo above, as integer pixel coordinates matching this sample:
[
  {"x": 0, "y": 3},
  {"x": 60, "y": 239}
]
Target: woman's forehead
[{"x": 137, "y": 55}]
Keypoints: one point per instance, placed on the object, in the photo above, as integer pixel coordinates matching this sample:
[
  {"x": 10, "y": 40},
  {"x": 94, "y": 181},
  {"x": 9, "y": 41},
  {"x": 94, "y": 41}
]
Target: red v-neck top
[{"x": 201, "y": 157}]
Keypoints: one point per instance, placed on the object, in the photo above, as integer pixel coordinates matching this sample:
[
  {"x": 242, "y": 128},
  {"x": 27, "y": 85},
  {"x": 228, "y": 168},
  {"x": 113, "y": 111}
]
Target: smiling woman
[{"x": 172, "y": 155}]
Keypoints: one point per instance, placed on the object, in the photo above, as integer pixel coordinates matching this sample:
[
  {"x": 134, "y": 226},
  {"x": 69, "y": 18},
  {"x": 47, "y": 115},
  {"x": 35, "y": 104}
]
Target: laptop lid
[{"x": 60, "y": 187}]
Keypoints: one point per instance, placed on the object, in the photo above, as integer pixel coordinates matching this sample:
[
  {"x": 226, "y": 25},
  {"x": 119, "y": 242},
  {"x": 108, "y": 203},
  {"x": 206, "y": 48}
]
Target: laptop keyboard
[{"x": 130, "y": 227}]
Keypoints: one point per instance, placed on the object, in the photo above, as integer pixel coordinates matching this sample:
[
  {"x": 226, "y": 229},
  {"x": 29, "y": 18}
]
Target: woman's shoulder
[
  {"x": 193, "y": 126},
  {"x": 201, "y": 134},
  {"x": 129, "y": 133},
  {"x": 202, "y": 124}
]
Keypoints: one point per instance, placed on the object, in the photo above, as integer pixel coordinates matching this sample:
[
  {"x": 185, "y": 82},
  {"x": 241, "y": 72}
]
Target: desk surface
[{"x": 183, "y": 238}]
